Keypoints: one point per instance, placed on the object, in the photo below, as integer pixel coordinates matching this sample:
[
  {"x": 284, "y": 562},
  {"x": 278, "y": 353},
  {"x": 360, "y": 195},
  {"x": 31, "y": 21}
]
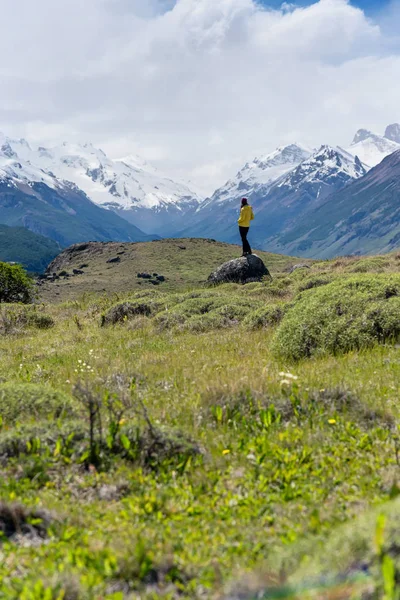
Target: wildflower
[
  {"x": 332, "y": 421},
  {"x": 122, "y": 422},
  {"x": 288, "y": 376},
  {"x": 224, "y": 452},
  {"x": 286, "y": 382},
  {"x": 79, "y": 361}
]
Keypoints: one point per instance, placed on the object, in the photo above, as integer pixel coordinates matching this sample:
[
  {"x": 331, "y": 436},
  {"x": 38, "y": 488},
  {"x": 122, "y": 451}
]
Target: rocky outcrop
[{"x": 240, "y": 270}]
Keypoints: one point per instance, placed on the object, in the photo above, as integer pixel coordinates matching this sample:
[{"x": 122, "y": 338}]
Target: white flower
[{"x": 288, "y": 376}]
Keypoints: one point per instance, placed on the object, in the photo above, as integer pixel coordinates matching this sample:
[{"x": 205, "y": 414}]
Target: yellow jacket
[{"x": 246, "y": 215}]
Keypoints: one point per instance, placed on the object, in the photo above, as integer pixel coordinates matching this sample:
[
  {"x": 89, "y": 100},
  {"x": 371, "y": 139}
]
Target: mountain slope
[
  {"x": 20, "y": 245},
  {"x": 57, "y": 210},
  {"x": 363, "y": 218},
  {"x": 129, "y": 186}
]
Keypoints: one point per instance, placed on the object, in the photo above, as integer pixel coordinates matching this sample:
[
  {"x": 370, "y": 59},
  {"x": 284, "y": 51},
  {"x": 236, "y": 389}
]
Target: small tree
[{"x": 15, "y": 284}]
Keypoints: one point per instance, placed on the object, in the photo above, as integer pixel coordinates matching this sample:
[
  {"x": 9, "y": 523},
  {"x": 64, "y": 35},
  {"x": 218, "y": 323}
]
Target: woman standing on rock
[{"x": 246, "y": 215}]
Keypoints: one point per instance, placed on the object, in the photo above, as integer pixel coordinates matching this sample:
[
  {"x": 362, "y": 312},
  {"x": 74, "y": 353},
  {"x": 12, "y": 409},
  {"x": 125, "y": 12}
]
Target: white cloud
[{"x": 199, "y": 86}]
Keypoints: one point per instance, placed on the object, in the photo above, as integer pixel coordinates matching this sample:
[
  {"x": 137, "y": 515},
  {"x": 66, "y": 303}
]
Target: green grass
[{"x": 219, "y": 464}]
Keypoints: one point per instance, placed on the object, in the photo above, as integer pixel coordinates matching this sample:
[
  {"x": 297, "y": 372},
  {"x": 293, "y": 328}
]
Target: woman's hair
[{"x": 244, "y": 201}]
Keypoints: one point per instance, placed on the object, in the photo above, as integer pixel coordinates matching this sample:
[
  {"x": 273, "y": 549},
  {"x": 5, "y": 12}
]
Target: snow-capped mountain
[
  {"x": 371, "y": 148},
  {"x": 34, "y": 198},
  {"x": 328, "y": 167},
  {"x": 128, "y": 186},
  {"x": 262, "y": 172},
  {"x": 362, "y": 218},
  {"x": 277, "y": 203}
]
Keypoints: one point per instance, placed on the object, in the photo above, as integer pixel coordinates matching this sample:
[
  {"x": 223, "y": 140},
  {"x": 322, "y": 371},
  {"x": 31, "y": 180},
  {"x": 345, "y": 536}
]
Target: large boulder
[{"x": 240, "y": 270}]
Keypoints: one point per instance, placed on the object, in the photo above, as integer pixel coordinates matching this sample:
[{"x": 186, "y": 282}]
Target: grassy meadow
[{"x": 183, "y": 441}]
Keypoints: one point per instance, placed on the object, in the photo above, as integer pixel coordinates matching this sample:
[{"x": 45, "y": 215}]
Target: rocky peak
[
  {"x": 393, "y": 132},
  {"x": 361, "y": 135}
]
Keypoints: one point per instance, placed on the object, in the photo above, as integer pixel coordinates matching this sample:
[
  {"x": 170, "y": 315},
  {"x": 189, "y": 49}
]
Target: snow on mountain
[
  {"x": 21, "y": 171},
  {"x": 371, "y": 148},
  {"x": 262, "y": 172},
  {"x": 326, "y": 167},
  {"x": 128, "y": 186},
  {"x": 362, "y": 218}
]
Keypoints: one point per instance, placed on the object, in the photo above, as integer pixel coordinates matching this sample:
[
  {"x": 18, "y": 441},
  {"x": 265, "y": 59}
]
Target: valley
[{"x": 73, "y": 193}]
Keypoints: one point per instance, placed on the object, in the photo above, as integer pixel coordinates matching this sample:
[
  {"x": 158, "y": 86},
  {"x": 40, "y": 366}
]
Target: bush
[
  {"x": 42, "y": 438},
  {"x": 124, "y": 312},
  {"x": 15, "y": 285},
  {"x": 279, "y": 287},
  {"x": 22, "y": 401},
  {"x": 267, "y": 316},
  {"x": 16, "y": 519},
  {"x": 225, "y": 316},
  {"x": 369, "y": 265},
  {"x": 13, "y": 319},
  {"x": 345, "y": 315},
  {"x": 315, "y": 281},
  {"x": 203, "y": 311}
]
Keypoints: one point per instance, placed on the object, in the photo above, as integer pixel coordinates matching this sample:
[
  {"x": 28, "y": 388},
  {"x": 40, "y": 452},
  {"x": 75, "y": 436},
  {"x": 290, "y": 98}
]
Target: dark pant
[{"x": 243, "y": 234}]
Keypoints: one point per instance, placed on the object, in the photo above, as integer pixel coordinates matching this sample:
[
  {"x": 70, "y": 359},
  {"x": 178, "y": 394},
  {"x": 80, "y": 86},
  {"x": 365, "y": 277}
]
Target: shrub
[
  {"x": 279, "y": 287},
  {"x": 16, "y": 519},
  {"x": 205, "y": 311},
  {"x": 168, "y": 320},
  {"x": 21, "y": 401},
  {"x": 267, "y": 316},
  {"x": 13, "y": 319},
  {"x": 226, "y": 316},
  {"x": 43, "y": 438},
  {"x": 369, "y": 265},
  {"x": 125, "y": 311},
  {"x": 344, "y": 315},
  {"x": 315, "y": 281},
  {"x": 15, "y": 285},
  {"x": 39, "y": 320}
]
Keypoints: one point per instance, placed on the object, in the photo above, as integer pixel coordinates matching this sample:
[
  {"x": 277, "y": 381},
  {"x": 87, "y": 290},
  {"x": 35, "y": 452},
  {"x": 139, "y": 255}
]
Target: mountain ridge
[
  {"x": 363, "y": 218},
  {"x": 128, "y": 186}
]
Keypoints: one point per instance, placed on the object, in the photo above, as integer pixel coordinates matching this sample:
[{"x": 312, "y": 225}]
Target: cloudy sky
[{"x": 198, "y": 87}]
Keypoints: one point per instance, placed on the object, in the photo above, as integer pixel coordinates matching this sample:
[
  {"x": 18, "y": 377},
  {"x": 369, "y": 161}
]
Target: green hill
[
  {"x": 184, "y": 263},
  {"x": 31, "y": 250}
]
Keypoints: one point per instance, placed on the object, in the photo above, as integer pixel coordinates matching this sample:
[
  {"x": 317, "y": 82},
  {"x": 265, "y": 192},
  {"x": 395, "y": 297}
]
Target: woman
[{"x": 246, "y": 215}]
